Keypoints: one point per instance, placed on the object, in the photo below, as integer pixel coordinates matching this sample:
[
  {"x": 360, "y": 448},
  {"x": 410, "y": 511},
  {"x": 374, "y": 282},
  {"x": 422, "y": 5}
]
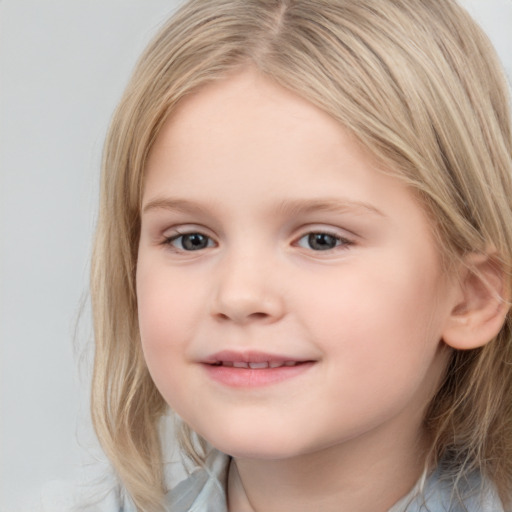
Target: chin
[
  {"x": 257, "y": 452},
  {"x": 257, "y": 435},
  {"x": 260, "y": 445}
]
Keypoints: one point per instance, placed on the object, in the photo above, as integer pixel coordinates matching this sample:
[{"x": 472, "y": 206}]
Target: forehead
[
  {"x": 247, "y": 120},
  {"x": 245, "y": 139}
]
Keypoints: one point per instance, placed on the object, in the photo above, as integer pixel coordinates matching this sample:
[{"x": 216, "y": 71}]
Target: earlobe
[{"x": 482, "y": 304}]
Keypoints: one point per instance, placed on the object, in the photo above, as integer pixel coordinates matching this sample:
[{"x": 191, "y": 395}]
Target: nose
[{"x": 247, "y": 291}]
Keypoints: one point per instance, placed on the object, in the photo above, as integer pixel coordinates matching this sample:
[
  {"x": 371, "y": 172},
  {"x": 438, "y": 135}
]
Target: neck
[{"x": 365, "y": 475}]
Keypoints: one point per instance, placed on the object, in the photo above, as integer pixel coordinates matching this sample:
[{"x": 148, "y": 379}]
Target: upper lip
[{"x": 231, "y": 356}]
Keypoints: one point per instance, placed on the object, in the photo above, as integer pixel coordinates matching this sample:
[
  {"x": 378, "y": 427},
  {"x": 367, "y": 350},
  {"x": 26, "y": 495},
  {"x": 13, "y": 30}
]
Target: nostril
[
  {"x": 243, "y": 318},
  {"x": 258, "y": 316},
  {"x": 250, "y": 306},
  {"x": 251, "y": 316}
]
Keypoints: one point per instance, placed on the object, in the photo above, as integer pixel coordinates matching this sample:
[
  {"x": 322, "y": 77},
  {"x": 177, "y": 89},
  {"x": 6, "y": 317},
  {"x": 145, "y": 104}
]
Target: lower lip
[{"x": 251, "y": 378}]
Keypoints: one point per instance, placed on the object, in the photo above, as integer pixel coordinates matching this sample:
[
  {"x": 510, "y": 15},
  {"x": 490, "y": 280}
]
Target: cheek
[
  {"x": 378, "y": 321},
  {"x": 156, "y": 313},
  {"x": 167, "y": 303},
  {"x": 380, "y": 349},
  {"x": 165, "y": 319}
]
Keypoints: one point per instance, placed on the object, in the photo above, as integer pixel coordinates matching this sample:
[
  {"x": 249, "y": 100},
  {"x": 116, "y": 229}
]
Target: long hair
[{"x": 419, "y": 84}]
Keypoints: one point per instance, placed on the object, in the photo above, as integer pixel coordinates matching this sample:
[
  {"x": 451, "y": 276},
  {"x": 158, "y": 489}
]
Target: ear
[{"x": 482, "y": 303}]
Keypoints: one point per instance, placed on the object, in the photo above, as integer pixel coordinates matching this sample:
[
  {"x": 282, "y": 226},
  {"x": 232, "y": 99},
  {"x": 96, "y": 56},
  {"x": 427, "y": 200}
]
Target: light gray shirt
[{"x": 205, "y": 491}]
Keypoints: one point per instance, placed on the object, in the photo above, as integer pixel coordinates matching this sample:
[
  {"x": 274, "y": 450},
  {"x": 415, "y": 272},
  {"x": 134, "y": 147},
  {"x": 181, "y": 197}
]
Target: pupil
[
  {"x": 194, "y": 242},
  {"x": 321, "y": 241}
]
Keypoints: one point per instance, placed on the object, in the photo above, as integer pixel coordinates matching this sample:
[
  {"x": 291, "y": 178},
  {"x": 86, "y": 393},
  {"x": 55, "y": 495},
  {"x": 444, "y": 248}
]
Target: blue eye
[
  {"x": 321, "y": 241},
  {"x": 190, "y": 242}
]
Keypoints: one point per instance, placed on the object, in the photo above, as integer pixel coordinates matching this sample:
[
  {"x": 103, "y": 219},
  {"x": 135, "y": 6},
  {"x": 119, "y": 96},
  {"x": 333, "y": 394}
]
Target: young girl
[{"x": 304, "y": 250}]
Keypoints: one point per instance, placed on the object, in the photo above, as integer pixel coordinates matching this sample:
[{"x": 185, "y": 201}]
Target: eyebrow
[
  {"x": 174, "y": 204},
  {"x": 286, "y": 207},
  {"x": 329, "y": 205}
]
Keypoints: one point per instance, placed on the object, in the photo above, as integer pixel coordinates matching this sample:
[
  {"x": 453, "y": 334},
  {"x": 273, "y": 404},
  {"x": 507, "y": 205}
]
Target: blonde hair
[{"x": 419, "y": 84}]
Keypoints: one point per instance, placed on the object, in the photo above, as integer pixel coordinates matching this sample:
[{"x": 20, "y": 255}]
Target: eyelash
[
  {"x": 341, "y": 243},
  {"x": 171, "y": 239}
]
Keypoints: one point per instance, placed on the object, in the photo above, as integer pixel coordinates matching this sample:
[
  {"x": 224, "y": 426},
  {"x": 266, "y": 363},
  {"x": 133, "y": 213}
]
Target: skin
[{"x": 250, "y": 167}]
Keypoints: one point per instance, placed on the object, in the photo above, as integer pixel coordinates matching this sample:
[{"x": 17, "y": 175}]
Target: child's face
[{"x": 268, "y": 236}]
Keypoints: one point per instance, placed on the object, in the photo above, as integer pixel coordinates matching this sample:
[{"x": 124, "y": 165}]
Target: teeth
[{"x": 258, "y": 365}]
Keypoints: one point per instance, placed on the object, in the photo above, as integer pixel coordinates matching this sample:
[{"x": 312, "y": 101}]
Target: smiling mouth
[
  {"x": 263, "y": 365},
  {"x": 254, "y": 369}
]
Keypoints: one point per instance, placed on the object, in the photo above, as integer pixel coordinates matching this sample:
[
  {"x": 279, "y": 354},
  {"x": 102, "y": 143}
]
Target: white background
[{"x": 63, "y": 66}]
